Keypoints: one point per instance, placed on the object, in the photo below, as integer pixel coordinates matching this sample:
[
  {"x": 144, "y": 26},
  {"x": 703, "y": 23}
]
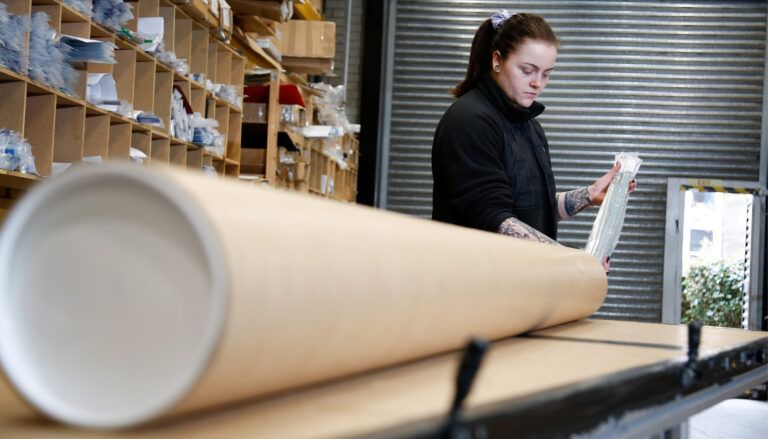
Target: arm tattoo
[
  {"x": 519, "y": 229},
  {"x": 572, "y": 202}
]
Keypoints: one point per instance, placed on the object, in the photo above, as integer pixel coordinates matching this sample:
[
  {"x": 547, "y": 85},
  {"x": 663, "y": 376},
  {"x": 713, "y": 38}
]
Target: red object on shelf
[{"x": 259, "y": 94}]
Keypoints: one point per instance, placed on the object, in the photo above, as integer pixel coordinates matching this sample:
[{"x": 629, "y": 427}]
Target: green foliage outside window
[{"x": 712, "y": 294}]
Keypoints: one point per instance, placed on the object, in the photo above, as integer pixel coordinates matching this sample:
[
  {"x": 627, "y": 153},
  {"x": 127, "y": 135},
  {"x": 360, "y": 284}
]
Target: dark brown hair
[{"x": 506, "y": 39}]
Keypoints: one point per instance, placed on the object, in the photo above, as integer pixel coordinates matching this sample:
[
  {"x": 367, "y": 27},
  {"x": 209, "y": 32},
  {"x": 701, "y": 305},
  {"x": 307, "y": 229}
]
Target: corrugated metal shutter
[{"x": 680, "y": 83}]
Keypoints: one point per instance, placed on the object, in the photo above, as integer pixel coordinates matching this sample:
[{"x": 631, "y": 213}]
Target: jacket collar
[{"x": 499, "y": 99}]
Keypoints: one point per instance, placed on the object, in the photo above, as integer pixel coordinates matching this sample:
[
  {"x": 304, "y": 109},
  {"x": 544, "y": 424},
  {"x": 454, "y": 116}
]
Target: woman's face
[{"x": 524, "y": 74}]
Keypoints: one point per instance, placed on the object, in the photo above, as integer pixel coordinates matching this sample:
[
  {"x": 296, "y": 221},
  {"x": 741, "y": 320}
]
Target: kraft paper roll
[{"x": 127, "y": 295}]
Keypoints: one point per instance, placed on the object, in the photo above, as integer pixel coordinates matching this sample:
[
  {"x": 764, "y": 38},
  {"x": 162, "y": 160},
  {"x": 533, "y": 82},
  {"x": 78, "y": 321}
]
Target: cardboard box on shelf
[
  {"x": 308, "y": 39},
  {"x": 312, "y": 66},
  {"x": 274, "y": 10}
]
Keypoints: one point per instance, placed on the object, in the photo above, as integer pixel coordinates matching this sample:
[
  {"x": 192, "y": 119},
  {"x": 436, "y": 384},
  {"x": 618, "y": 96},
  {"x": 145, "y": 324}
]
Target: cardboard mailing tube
[{"x": 129, "y": 294}]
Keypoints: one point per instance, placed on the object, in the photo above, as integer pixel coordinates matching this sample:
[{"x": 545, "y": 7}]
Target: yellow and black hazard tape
[{"x": 725, "y": 189}]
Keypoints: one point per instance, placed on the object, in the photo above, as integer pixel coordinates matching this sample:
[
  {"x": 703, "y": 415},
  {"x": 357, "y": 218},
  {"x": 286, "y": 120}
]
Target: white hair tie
[{"x": 499, "y": 17}]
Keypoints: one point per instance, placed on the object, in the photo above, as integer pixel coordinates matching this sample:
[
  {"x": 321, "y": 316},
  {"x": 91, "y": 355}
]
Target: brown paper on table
[{"x": 312, "y": 290}]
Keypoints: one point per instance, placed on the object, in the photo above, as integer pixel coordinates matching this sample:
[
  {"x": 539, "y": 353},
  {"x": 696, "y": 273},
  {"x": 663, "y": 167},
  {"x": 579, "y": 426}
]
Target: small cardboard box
[{"x": 308, "y": 39}]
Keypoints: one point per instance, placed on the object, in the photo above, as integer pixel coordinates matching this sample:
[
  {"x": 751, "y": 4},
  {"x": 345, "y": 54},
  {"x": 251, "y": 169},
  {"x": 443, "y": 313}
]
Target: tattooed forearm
[
  {"x": 572, "y": 202},
  {"x": 519, "y": 229}
]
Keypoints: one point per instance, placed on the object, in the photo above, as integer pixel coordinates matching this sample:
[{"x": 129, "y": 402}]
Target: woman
[{"x": 490, "y": 157}]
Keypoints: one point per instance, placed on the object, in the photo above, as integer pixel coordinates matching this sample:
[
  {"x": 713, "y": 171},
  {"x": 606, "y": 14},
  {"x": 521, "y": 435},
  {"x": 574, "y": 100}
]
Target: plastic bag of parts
[
  {"x": 16, "y": 153},
  {"x": 180, "y": 126},
  {"x": 610, "y": 218},
  {"x": 206, "y": 134},
  {"x": 169, "y": 59},
  {"x": 230, "y": 93},
  {"x": 47, "y": 57},
  {"x": 13, "y": 32},
  {"x": 84, "y": 7},
  {"x": 113, "y": 14},
  {"x": 86, "y": 50},
  {"x": 292, "y": 115},
  {"x": 332, "y": 148},
  {"x": 330, "y": 107}
]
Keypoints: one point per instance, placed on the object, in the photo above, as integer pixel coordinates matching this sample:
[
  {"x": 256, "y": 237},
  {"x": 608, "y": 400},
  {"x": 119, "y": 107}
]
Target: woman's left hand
[{"x": 599, "y": 188}]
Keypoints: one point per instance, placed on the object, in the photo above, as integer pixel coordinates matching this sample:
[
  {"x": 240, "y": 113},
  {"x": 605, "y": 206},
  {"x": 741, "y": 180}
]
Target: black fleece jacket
[{"x": 490, "y": 162}]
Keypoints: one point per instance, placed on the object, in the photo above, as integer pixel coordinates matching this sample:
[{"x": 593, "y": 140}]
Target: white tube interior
[{"x": 112, "y": 297}]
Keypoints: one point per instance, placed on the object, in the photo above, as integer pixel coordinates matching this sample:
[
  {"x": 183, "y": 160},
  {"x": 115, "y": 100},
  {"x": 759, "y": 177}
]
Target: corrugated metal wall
[{"x": 680, "y": 83}]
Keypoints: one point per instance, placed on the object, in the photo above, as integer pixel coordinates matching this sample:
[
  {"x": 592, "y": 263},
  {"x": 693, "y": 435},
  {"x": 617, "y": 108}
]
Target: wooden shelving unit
[{"x": 63, "y": 128}]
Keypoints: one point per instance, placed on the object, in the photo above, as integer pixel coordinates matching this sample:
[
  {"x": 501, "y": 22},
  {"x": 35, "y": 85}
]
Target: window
[
  {"x": 698, "y": 237},
  {"x": 703, "y": 199}
]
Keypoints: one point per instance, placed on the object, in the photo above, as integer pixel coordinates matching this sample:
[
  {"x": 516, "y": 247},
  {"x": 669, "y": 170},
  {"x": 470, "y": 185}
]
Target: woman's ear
[{"x": 496, "y": 61}]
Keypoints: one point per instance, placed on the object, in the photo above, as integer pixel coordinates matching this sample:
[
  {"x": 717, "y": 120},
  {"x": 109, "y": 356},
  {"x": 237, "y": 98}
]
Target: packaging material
[
  {"x": 180, "y": 126},
  {"x": 16, "y": 153},
  {"x": 58, "y": 168},
  {"x": 93, "y": 160},
  {"x": 84, "y": 7},
  {"x": 308, "y": 39},
  {"x": 225, "y": 18},
  {"x": 255, "y": 25},
  {"x": 169, "y": 59},
  {"x": 254, "y": 112},
  {"x": 102, "y": 92},
  {"x": 47, "y": 58},
  {"x": 13, "y": 33},
  {"x": 218, "y": 292},
  {"x": 329, "y": 107},
  {"x": 230, "y": 93},
  {"x": 292, "y": 115},
  {"x": 310, "y": 66},
  {"x": 152, "y": 29},
  {"x": 112, "y": 14},
  {"x": 206, "y": 134},
  {"x": 137, "y": 156},
  {"x": 610, "y": 218},
  {"x": 149, "y": 118},
  {"x": 274, "y": 10},
  {"x": 269, "y": 46},
  {"x": 332, "y": 148},
  {"x": 88, "y": 50},
  {"x": 209, "y": 171}
]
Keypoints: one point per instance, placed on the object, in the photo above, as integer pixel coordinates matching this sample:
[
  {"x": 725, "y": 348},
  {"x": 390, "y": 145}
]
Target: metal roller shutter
[{"x": 680, "y": 83}]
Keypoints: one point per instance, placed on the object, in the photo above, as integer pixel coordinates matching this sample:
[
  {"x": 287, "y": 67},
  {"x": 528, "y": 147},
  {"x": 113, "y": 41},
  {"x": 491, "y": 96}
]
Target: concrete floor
[{"x": 731, "y": 419}]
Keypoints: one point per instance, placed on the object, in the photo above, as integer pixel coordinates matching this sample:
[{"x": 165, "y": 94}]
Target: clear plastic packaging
[
  {"x": 292, "y": 115},
  {"x": 180, "y": 126},
  {"x": 16, "y": 153},
  {"x": 113, "y": 14},
  {"x": 84, "y": 7},
  {"x": 87, "y": 50},
  {"x": 48, "y": 58},
  {"x": 610, "y": 218},
  {"x": 330, "y": 107},
  {"x": 206, "y": 135},
  {"x": 13, "y": 29},
  {"x": 169, "y": 59}
]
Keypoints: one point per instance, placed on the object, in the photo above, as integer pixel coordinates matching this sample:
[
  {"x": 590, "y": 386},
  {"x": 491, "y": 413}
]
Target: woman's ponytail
[{"x": 479, "y": 58}]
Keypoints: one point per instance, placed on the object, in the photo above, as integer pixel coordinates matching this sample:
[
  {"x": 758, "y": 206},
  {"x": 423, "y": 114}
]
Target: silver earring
[{"x": 497, "y": 69}]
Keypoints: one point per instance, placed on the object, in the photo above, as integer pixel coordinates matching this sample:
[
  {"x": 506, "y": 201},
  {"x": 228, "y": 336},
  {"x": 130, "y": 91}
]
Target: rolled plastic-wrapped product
[
  {"x": 129, "y": 294},
  {"x": 610, "y": 218}
]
